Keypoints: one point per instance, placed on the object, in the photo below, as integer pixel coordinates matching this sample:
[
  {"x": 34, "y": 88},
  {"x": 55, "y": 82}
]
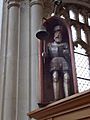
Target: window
[
  {"x": 82, "y": 68},
  {"x": 79, "y": 29},
  {"x": 81, "y": 60}
]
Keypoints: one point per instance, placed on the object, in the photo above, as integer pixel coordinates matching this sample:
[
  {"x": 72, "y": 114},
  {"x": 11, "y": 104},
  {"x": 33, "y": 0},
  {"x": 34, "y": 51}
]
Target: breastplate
[{"x": 55, "y": 51}]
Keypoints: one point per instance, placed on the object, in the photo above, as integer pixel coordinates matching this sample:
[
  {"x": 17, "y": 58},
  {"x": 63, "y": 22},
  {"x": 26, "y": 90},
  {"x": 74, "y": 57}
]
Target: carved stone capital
[
  {"x": 13, "y": 3},
  {"x": 33, "y": 2}
]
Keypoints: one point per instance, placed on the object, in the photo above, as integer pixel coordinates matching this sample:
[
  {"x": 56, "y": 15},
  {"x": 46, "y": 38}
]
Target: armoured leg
[
  {"x": 66, "y": 83},
  {"x": 56, "y": 85}
]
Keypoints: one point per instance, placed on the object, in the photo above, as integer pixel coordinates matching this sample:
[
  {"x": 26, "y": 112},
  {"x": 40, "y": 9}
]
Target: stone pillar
[
  {"x": 9, "y": 106},
  {"x": 23, "y": 88},
  {"x": 3, "y": 51},
  {"x": 36, "y": 19}
]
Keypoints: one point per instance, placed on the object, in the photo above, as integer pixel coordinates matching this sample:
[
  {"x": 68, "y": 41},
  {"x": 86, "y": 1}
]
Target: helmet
[{"x": 57, "y": 28}]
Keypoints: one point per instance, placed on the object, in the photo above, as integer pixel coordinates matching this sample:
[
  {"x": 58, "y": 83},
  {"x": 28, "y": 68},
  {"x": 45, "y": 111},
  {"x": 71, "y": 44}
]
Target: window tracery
[{"x": 79, "y": 20}]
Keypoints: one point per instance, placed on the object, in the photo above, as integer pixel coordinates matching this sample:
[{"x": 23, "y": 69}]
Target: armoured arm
[
  {"x": 45, "y": 54},
  {"x": 66, "y": 51}
]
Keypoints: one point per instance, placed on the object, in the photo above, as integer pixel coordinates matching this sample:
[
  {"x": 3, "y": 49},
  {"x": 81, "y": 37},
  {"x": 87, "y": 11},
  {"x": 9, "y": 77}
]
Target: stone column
[
  {"x": 23, "y": 88},
  {"x": 9, "y": 106},
  {"x": 3, "y": 51},
  {"x": 36, "y": 19}
]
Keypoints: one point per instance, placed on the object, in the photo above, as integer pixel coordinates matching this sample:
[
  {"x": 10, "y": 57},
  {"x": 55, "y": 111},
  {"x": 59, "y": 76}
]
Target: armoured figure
[{"x": 58, "y": 53}]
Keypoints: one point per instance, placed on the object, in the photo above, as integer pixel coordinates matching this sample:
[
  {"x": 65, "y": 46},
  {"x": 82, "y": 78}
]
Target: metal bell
[{"x": 42, "y": 34}]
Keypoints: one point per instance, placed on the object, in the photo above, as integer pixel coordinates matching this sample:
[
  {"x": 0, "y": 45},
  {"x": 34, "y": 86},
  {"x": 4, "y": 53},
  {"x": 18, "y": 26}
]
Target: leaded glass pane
[
  {"x": 83, "y": 35},
  {"x": 72, "y": 14},
  {"x": 81, "y": 18},
  {"x": 89, "y": 21},
  {"x": 83, "y": 85},
  {"x": 82, "y": 68},
  {"x": 74, "y": 33}
]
